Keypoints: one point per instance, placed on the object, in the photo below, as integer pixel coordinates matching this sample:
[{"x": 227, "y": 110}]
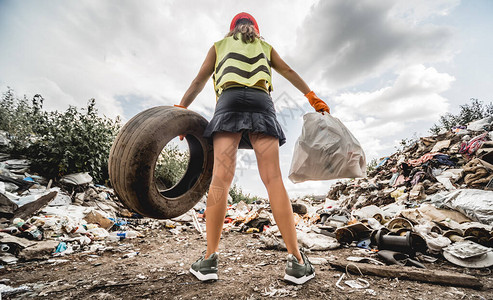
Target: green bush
[
  {"x": 405, "y": 143},
  {"x": 237, "y": 195},
  {"x": 371, "y": 165},
  {"x": 468, "y": 113},
  {"x": 171, "y": 166},
  {"x": 58, "y": 143},
  {"x": 20, "y": 118}
]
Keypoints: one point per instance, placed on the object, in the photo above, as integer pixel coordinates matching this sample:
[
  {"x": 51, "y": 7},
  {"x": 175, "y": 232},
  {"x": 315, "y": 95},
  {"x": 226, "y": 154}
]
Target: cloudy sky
[{"x": 388, "y": 69}]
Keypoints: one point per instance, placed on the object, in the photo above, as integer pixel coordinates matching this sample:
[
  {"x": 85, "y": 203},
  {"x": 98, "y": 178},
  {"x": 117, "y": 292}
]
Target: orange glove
[
  {"x": 181, "y": 135},
  {"x": 317, "y": 103}
]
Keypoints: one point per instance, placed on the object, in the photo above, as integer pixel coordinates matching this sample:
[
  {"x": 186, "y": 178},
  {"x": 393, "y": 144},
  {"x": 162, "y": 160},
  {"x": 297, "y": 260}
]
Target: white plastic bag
[{"x": 326, "y": 150}]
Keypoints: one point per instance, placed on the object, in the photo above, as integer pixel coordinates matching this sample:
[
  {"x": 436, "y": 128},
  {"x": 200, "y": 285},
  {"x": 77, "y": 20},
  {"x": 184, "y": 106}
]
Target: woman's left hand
[{"x": 317, "y": 103}]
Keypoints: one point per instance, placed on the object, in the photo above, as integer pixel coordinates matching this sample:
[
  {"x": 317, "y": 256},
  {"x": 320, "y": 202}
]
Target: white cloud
[
  {"x": 414, "y": 96},
  {"x": 375, "y": 117},
  {"x": 417, "y": 11},
  {"x": 344, "y": 43},
  {"x": 73, "y": 51},
  {"x": 131, "y": 55}
]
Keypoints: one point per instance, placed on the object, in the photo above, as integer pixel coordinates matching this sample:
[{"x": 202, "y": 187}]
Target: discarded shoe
[
  {"x": 397, "y": 258},
  {"x": 205, "y": 269},
  {"x": 298, "y": 273}
]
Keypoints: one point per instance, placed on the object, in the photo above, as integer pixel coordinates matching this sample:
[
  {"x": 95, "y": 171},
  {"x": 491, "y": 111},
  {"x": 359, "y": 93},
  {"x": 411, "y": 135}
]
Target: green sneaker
[
  {"x": 205, "y": 269},
  {"x": 299, "y": 273}
]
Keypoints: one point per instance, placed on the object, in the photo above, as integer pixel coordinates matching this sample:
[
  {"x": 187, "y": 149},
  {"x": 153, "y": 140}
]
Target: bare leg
[
  {"x": 267, "y": 152},
  {"x": 225, "y": 148}
]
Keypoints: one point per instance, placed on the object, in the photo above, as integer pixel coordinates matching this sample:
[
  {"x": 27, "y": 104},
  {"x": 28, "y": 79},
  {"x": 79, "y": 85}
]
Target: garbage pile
[
  {"x": 38, "y": 221},
  {"x": 434, "y": 198},
  {"x": 457, "y": 159}
]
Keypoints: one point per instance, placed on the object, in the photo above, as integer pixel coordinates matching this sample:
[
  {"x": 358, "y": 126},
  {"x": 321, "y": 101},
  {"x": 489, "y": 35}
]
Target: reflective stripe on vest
[{"x": 243, "y": 63}]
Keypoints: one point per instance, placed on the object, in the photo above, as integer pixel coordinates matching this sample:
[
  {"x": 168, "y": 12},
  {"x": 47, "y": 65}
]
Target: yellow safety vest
[{"x": 243, "y": 63}]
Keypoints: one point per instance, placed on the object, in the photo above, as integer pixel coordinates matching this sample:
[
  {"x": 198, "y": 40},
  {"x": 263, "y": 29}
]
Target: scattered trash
[
  {"x": 131, "y": 254},
  {"x": 280, "y": 292},
  {"x": 8, "y": 258},
  {"x": 338, "y": 283},
  {"x": 397, "y": 258},
  {"x": 95, "y": 217},
  {"x": 317, "y": 242},
  {"x": 417, "y": 206},
  {"x": 469, "y": 254},
  {"x": 7, "y": 206},
  {"x": 474, "y": 203},
  {"x": 408, "y": 242},
  {"x": 358, "y": 283},
  {"x": 6, "y": 290},
  {"x": 60, "y": 248},
  {"x": 121, "y": 235},
  {"x": 364, "y": 259},
  {"x": 77, "y": 179},
  {"x": 318, "y": 260}
]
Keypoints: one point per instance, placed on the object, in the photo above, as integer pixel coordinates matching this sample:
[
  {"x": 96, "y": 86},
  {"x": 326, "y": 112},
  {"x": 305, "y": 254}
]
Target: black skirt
[{"x": 243, "y": 109}]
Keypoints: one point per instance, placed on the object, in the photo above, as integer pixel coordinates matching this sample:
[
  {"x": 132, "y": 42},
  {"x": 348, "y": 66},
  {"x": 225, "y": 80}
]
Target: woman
[{"x": 244, "y": 118}]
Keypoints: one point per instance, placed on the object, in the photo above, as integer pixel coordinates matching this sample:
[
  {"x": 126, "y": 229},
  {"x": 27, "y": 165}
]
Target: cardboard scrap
[
  {"x": 30, "y": 209},
  {"x": 439, "y": 215},
  {"x": 40, "y": 250},
  {"x": 440, "y": 146},
  {"x": 96, "y": 218},
  {"x": 6, "y": 238}
]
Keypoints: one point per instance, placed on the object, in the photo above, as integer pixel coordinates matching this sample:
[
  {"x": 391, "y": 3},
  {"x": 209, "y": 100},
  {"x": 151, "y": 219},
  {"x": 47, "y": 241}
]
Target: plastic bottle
[
  {"x": 18, "y": 222},
  {"x": 120, "y": 235},
  {"x": 25, "y": 227},
  {"x": 79, "y": 229},
  {"x": 11, "y": 230},
  {"x": 33, "y": 233}
]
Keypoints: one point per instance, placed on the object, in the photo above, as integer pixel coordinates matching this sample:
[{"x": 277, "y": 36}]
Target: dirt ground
[{"x": 160, "y": 271}]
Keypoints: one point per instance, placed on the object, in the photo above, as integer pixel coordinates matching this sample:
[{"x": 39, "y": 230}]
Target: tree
[
  {"x": 58, "y": 143},
  {"x": 468, "y": 113},
  {"x": 171, "y": 166}
]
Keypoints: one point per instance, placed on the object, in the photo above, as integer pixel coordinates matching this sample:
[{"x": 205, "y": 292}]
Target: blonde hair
[{"x": 247, "y": 31}]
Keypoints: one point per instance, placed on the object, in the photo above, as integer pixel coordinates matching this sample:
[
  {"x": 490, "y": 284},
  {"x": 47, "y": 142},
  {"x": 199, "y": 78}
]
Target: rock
[
  {"x": 317, "y": 242},
  {"x": 299, "y": 208},
  {"x": 417, "y": 192},
  {"x": 318, "y": 260},
  {"x": 77, "y": 179},
  {"x": 7, "y": 207},
  {"x": 6, "y": 238},
  {"x": 40, "y": 250}
]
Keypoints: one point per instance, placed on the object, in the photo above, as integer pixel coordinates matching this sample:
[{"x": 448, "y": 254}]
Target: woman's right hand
[
  {"x": 317, "y": 103},
  {"x": 182, "y": 136}
]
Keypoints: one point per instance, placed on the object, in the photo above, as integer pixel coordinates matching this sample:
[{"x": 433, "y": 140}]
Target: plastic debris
[
  {"x": 469, "y": 254},
  {"x": 6, "y": 290},
  {"x": 474, "y": 203},
  {"x": 77, "y": 179}
]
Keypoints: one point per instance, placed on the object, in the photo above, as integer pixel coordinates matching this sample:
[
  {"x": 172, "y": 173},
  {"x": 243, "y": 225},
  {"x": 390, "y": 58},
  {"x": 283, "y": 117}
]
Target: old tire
[{"x": 134, "y": 154}]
